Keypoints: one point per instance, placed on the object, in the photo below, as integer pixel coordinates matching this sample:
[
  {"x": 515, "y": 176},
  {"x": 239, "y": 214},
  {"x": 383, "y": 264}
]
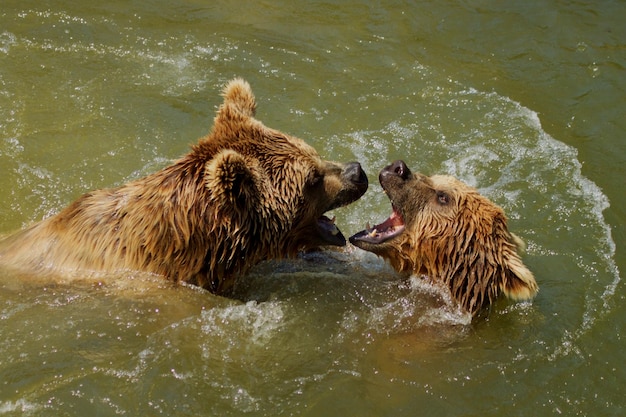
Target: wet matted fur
[
  {"x": 244, "y": 193},
  {"x": 443, "y": 229}
]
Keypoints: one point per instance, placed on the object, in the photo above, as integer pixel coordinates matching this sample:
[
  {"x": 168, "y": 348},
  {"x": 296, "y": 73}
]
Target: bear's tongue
[
  {"x": 392, "y": 227},
  {"x": 329, "y": 232}
]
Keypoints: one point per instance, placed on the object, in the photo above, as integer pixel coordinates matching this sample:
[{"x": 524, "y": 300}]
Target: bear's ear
[
  {"x": 519, "y": 283},
  {"x": 519, "y": 243},
  {"x": 231, "y": 178},
  {"x": 239, "y": 100}
]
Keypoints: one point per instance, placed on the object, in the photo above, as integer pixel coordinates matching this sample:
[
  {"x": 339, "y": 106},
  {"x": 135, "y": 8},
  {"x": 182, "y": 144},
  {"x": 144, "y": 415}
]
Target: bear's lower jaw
[
  {"x": 390, "y": 228},
  {"x": 329, "y": 232}
]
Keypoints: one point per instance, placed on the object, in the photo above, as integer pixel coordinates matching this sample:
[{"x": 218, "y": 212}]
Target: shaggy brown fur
[
  {"x": 444, "y": 229},
  {"x": 243, "y": 194}
]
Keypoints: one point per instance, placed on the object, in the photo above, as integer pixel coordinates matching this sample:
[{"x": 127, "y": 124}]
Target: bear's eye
[
  {"x": 443, "y": 198},
  {"x": 315, "y": 179}
]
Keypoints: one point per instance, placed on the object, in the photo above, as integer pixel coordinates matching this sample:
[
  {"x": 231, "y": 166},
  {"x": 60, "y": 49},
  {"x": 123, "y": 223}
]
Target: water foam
[
  {"x": 21, "y": 405},
  {"x": 7, "y": 40},
  {"x": 254, "y": 322},
  {"x": 500, "y": 147}
]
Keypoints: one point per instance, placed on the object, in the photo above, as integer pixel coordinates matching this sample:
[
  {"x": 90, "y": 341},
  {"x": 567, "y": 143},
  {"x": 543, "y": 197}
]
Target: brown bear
[
  {"x": 443, "y": 229},
  {"x": 244, "y": 193}
]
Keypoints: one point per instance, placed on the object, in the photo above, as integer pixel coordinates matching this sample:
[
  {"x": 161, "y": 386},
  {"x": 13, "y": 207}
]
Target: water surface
[{"x": 523, "y": 101}]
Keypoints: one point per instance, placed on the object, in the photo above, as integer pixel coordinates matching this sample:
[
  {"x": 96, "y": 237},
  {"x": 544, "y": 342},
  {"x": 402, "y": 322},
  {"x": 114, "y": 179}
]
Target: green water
[{"x": 524, "y": 100}]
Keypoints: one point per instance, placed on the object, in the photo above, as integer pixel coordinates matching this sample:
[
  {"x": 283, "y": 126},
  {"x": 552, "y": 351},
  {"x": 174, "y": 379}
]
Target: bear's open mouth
[
  {"x": 329, "y": 231},
  {"x": 390, "y": 228}
]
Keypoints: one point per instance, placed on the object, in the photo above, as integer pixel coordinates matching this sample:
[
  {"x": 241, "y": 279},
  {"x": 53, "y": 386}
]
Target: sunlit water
[{"x": 95, "y": 95}]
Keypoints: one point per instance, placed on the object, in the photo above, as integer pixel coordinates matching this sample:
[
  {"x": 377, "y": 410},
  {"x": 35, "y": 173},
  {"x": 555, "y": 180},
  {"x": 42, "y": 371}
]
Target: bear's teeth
[
  {"x": 373, "y": 233},
  {"x": 368, "y": 226}
]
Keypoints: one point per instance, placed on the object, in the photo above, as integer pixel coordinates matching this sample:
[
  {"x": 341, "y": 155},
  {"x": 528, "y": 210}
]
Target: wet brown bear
[
  {"x": 244, "y": 193},
  {"x": 443, "y": 229}
]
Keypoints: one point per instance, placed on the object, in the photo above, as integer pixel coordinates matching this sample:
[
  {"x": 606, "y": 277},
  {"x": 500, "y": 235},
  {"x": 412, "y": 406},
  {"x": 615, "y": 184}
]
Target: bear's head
[
  {"x": 444, "y": 229},
  {"x": 267, "y": 191}
]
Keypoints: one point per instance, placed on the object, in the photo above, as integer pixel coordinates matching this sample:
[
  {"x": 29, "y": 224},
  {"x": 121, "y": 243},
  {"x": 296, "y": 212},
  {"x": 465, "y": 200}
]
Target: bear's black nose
[
  {"x": 354, "y": 173},
  {"x": 398, "y": 168}
]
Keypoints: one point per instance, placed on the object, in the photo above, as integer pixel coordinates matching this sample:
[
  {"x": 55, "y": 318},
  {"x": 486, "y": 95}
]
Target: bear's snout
[
  {"x": 354, "y": 184},
  {"x": 396, "y": 169},
  {"x": 353, "y": 173}
]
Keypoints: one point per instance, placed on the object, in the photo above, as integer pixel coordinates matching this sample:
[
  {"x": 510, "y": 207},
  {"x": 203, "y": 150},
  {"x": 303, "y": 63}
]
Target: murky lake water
[{"x": 524, "y": 101}]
